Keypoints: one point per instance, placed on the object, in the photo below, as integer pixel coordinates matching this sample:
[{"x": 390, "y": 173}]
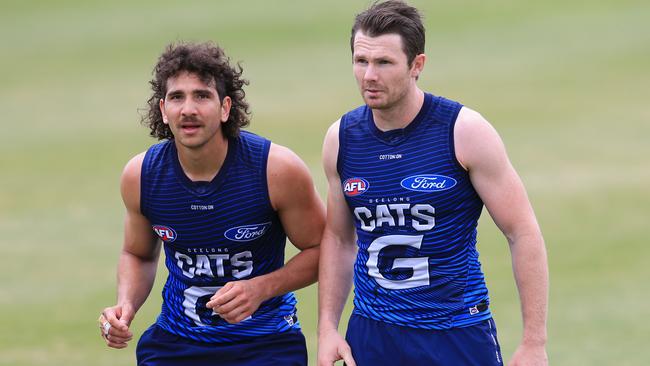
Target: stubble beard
[{"x": 387, "y": 101}]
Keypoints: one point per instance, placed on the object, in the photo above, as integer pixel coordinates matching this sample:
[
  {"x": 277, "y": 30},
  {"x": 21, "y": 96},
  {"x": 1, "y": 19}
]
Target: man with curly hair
[{"x": 221, "y": 202}]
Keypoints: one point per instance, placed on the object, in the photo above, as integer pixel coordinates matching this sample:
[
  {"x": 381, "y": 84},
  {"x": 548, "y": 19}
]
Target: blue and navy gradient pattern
[
  {"x": 425, "y": 146},
  {"x": 200, "y": 258}
]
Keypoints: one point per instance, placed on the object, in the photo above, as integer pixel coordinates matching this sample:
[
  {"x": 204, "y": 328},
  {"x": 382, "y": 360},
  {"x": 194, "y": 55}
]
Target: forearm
[
  {"x": 135, "y": 278},
  {"x": 335, "y": 281},
  {"x": 531, "y": 275},
  {"x": 300, "y": 271}
]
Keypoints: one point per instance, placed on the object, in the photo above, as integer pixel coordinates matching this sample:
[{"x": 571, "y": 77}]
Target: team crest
[
  {"x": 428, "y": 183},
  {"x": 355, "y": 186},
  {"x": 247, "y": 232},
  {"x": 165, "y": 233}
]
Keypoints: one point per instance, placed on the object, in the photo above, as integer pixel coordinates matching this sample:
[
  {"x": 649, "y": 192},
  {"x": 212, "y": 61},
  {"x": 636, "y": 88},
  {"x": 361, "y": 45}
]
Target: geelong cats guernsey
[
  {"x": 415, "y": 213},
  {"x": 213, "y": 233}
]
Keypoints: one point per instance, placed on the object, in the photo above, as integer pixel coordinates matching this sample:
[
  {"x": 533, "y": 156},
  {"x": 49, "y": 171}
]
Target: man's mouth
[
  {"x": 190, "y": 127},
  {"x": 372, "y": 91}
]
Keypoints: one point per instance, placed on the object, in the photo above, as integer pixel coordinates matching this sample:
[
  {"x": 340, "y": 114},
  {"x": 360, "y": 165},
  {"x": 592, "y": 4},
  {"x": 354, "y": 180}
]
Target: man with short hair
[
  {"x": 223, "y": 202},
  {"x": 408, "y": 174}
]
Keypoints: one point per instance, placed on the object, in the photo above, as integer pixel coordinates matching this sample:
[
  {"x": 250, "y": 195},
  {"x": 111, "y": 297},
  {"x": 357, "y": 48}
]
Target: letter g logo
[{"x": 419, "y": 265}]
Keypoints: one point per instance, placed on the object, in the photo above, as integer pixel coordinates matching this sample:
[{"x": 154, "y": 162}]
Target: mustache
[
  {"x": 372, "y": 86},
  {"x": 190, "y": 118}
]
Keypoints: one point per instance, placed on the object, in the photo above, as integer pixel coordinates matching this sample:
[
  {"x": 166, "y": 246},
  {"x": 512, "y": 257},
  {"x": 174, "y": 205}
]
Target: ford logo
[
  {"x": 428, "y": 183},
  {"x": 247, "y": 232}
]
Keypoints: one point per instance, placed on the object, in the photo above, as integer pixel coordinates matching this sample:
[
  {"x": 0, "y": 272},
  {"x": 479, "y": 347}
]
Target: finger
[
  {"x": 349, "y": 361},
  {"x": 236, "y": 317},
  {"x": 126, "y": 318},
  {"x": 101, "y": 321},
  {"x": 224, "y": 295},
  {"x": 237, "y": 305},
  {"x": 117, "y": 332},
  {"x": 346, "y": 354},
  {"x": 245, "y": 315},
  {"x": 329, "y": 362},
  {"x": 111, "y": 323},
  {"x": 104, "y": 324},
  {"x": 228, "y": 315},
  {"x": 118, "y": 345},
  {"x": 111, "y": 316},
  {"x": 117, "y": 339},
  {"x": 115, "y": 328},
  {"x": 225, "y": 288}
]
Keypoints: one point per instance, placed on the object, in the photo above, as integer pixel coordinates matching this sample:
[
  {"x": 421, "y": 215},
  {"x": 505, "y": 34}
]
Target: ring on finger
[{"x": 106, "y": 327}]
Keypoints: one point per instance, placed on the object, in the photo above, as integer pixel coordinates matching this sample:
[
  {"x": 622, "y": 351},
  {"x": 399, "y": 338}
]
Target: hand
[
  {"x": 114, "y": 325},
  {"x": 529, "y": 355},
  {"x": 332, "y": 347},
  {"x": 237, "y": 300}
]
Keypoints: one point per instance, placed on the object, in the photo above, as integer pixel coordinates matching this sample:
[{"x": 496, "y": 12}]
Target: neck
[
  {"x": 204, "y": 162},
  {"x": 402, "y": 113}
]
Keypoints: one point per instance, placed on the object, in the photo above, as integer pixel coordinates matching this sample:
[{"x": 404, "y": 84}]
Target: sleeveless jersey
[
  {"x": 415, "y": 212},
  {"x": 213, "y": 233}
]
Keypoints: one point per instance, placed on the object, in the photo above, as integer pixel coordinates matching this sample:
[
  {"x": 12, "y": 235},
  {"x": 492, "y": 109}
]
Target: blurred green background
[{"x": 566, "y": 83}]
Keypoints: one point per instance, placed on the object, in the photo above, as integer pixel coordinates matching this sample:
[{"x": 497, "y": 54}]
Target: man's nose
[
  {"x": 189, "y": 107},
  {"x": 370, "y": 74}
]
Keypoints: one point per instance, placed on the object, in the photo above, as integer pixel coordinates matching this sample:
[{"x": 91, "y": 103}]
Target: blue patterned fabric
[
  {"x": 416, "y": 214},
  {"x": 213, "y": 233}
]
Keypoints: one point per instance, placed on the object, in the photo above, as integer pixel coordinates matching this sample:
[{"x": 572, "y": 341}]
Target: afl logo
[
  {"x": 247, "y": 232},
  {"x": 428, "y": 183},
  {"x": 165, "y": 233},
  {"x": 355, "y": 186}
]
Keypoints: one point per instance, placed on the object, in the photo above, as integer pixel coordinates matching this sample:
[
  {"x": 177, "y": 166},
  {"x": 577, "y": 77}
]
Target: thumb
[
  {"x": 346, "y": 354},
  {"x": 126, "y": 316}
]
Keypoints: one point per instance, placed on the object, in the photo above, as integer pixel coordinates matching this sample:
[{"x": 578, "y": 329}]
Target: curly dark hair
[{"x": 210, "y": 64}]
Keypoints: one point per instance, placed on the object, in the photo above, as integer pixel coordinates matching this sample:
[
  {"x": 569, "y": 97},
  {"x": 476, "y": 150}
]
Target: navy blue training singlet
[
  {"x": 415, "y": 212},
  {"x": 213, "y": 233}
]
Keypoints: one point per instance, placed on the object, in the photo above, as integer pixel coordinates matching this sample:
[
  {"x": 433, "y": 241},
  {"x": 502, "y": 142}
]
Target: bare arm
[
  {"x": 302, "y": 213},
  {"x": 138, "y": 260},
  {"x": 338, "y": 252},
  {"x": 480, "y": 150}
]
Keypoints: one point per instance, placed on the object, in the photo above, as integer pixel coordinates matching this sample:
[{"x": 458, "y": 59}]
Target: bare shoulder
[
  {"x": 287, "y": 175},
  {"x": 332, "y": 135},
  {"x": 475, "y": 139},
  {"x": 333, "y": 131},
  {"x": 283, "y": 162},
  {"x": 130, "y": 182},
  {"x": 133, "y": 167},
  {"x": 471, "y": 126}
]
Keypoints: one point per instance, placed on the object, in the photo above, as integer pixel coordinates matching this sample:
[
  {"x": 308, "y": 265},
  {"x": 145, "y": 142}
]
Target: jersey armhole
[
  {"x": 339, "y": 154},
  {"x": 266, "y": 148},
  {"x": 452, "y": 144},
  {"x": 144, "y": 170}
]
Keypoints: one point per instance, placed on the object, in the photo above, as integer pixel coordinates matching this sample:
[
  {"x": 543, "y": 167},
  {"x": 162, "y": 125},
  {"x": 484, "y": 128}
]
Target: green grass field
[{"x": 565, "y": 83}]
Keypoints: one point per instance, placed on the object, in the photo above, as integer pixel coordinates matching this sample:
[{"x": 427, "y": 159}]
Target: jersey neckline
[
  {"x": 205, "y": 187},
  {"x": 398, "y": 135}
]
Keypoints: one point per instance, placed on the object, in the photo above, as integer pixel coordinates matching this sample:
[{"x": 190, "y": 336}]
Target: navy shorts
[
  {"x": 158, "y": 347},
  {"x": 377, "y": 343}
]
